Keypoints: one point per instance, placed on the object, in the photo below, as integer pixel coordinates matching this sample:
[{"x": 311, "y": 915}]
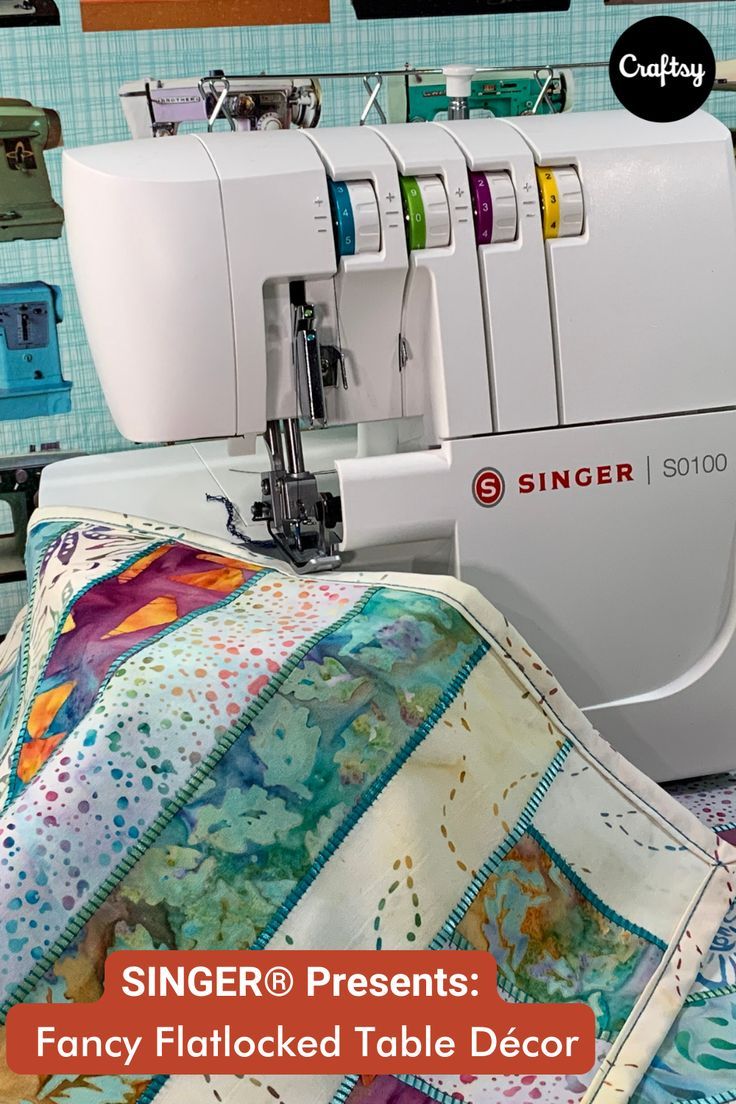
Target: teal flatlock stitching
[
  {"x": 590, "y": 896},
  {"x": 704, "y": 995},
  {"x": 376, "y": 787},
  {"x": 369, "y": 796},
  {"x": 727, "y": 1097},
  {"x": 507, "y": 988},
  {"x": 461, "y": 908},
  {"x": 631, "y": 1023},
  {"x": 513, "y": 837},
  {"x": 25, "y": 642},
  {"x": 415, "y": 1082},
  {"x": 153, "y": 1087},
  {"x": 12, "y": 794},
  {"x": 136, "y": 648},
  {"x": 345, "y": 1089},
  {"x": 172, "y": 807},
  {"x": 541, "y": 699}
]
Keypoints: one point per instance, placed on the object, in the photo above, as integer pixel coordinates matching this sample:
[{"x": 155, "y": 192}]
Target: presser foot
[
  {"x": 301, "y": 520},
  {"x": 305, "y": 563}
]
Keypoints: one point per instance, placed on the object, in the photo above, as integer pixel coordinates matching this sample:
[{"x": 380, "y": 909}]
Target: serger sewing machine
[{"x": 530, "y": 321}]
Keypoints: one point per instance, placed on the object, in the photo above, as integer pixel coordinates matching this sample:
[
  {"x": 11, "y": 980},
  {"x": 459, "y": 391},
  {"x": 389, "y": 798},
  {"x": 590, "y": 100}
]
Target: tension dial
[{"x": 561, "y": 197}]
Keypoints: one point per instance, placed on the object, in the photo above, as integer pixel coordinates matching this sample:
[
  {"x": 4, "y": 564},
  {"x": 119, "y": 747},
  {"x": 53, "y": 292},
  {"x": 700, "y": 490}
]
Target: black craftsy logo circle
[{"x": 662, "y": 69}]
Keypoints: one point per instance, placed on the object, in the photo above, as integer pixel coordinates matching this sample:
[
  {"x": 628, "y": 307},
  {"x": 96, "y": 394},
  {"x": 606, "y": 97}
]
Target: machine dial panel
[
  {"x": 426, "y": 212},
  {"x": 561, "y": 198},
  {"x": 355, "y": 217},
  {"x": 494, "y": 207},
  {"x": 366, "y": 217}
]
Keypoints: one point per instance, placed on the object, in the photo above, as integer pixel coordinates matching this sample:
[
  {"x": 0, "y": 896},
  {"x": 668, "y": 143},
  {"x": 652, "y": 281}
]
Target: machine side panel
[{"x": 147, "y": 245}]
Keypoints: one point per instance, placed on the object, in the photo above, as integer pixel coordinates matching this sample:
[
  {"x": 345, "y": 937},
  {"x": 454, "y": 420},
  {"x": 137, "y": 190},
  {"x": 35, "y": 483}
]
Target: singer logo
[
  {"x": 565, "y": 478},
  {"x": 489, "y": 485}
]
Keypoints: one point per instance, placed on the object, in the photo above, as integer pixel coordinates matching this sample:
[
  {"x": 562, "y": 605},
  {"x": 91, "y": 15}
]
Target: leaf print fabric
[
  {"x": 201, "y": 751},
  {"x": 553, "y": 943}
]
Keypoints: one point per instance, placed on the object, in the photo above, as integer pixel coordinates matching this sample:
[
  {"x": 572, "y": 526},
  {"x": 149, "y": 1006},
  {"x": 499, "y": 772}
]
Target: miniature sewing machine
[
  {"x": 530, "y": 322},
  {"x": 418, "y": 97},
  {"x": 28, "y": 13},
  {"x": 31, "y": 384},
  {"x": 157, "y": 108},
  {"x": 27, "y": 208}
]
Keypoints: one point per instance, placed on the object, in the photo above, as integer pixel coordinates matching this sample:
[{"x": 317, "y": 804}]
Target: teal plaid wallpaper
[{"x": 79, "y": 73}]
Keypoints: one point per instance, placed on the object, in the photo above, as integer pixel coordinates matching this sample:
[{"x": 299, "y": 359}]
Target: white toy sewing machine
[
  {"x": 157, "y": 108},
  {"x": 530, "y": 320}
]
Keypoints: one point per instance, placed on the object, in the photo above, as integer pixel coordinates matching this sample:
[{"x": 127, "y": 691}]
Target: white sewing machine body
[{"x": 551, "y": 418}]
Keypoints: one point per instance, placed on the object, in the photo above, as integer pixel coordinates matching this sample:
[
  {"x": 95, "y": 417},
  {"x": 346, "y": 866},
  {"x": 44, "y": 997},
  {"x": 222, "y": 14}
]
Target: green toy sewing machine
[
  {"x": 421, "y": 98},
  {"x": 27, "y": 208}
]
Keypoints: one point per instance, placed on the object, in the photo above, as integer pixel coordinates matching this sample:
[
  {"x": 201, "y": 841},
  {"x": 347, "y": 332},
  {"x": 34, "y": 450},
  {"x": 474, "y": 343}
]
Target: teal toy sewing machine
[
  {"x": 31, "y": 384},
  {"x": 417, "y": 98}
]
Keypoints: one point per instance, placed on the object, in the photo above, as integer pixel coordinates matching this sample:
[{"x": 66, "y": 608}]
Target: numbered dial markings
[
  {"x": 426, "y": 212},
  {"x": 355, "y": 217},
  {"x": 494, "y": 207},
  {"x": 561, "y": 197}
]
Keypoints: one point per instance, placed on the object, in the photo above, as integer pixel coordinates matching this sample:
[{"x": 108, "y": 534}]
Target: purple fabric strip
[
  {"x": 104, "y": 607},
  {"x": 181, "y": 579},
  {"x": 386, "y": 1090}
]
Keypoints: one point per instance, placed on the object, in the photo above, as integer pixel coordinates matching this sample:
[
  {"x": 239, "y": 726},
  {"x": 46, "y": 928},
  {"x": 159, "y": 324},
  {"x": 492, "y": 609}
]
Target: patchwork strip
[
  {"x": 636, "y": 1045},
  {"x": 451, "y": 924},
  {"x": 454, "y": 780},
  {"x": 718, "y": 968},
  {"x": 330, "y": 732},
  {"x": 62, "y": 561},
  {"x": 385, "y": 872},
  {"x": 698, "y": 1058},
  {"x": 105, "y": 798},
  {"x": 605, "y": 835},
  {"x": 109, "y": 622},
  {"x": 554, "y": 941}
]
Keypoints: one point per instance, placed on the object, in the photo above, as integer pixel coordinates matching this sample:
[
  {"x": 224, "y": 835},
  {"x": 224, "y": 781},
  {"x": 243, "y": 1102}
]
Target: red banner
[{"x": 300, "y": 1012}]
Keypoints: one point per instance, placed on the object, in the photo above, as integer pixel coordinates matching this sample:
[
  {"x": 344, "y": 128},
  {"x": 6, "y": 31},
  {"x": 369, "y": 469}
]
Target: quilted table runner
[{"x": 203, "y": 751}]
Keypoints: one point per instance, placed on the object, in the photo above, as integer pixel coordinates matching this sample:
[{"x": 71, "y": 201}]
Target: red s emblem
[{"x": 488, "y": 487}]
